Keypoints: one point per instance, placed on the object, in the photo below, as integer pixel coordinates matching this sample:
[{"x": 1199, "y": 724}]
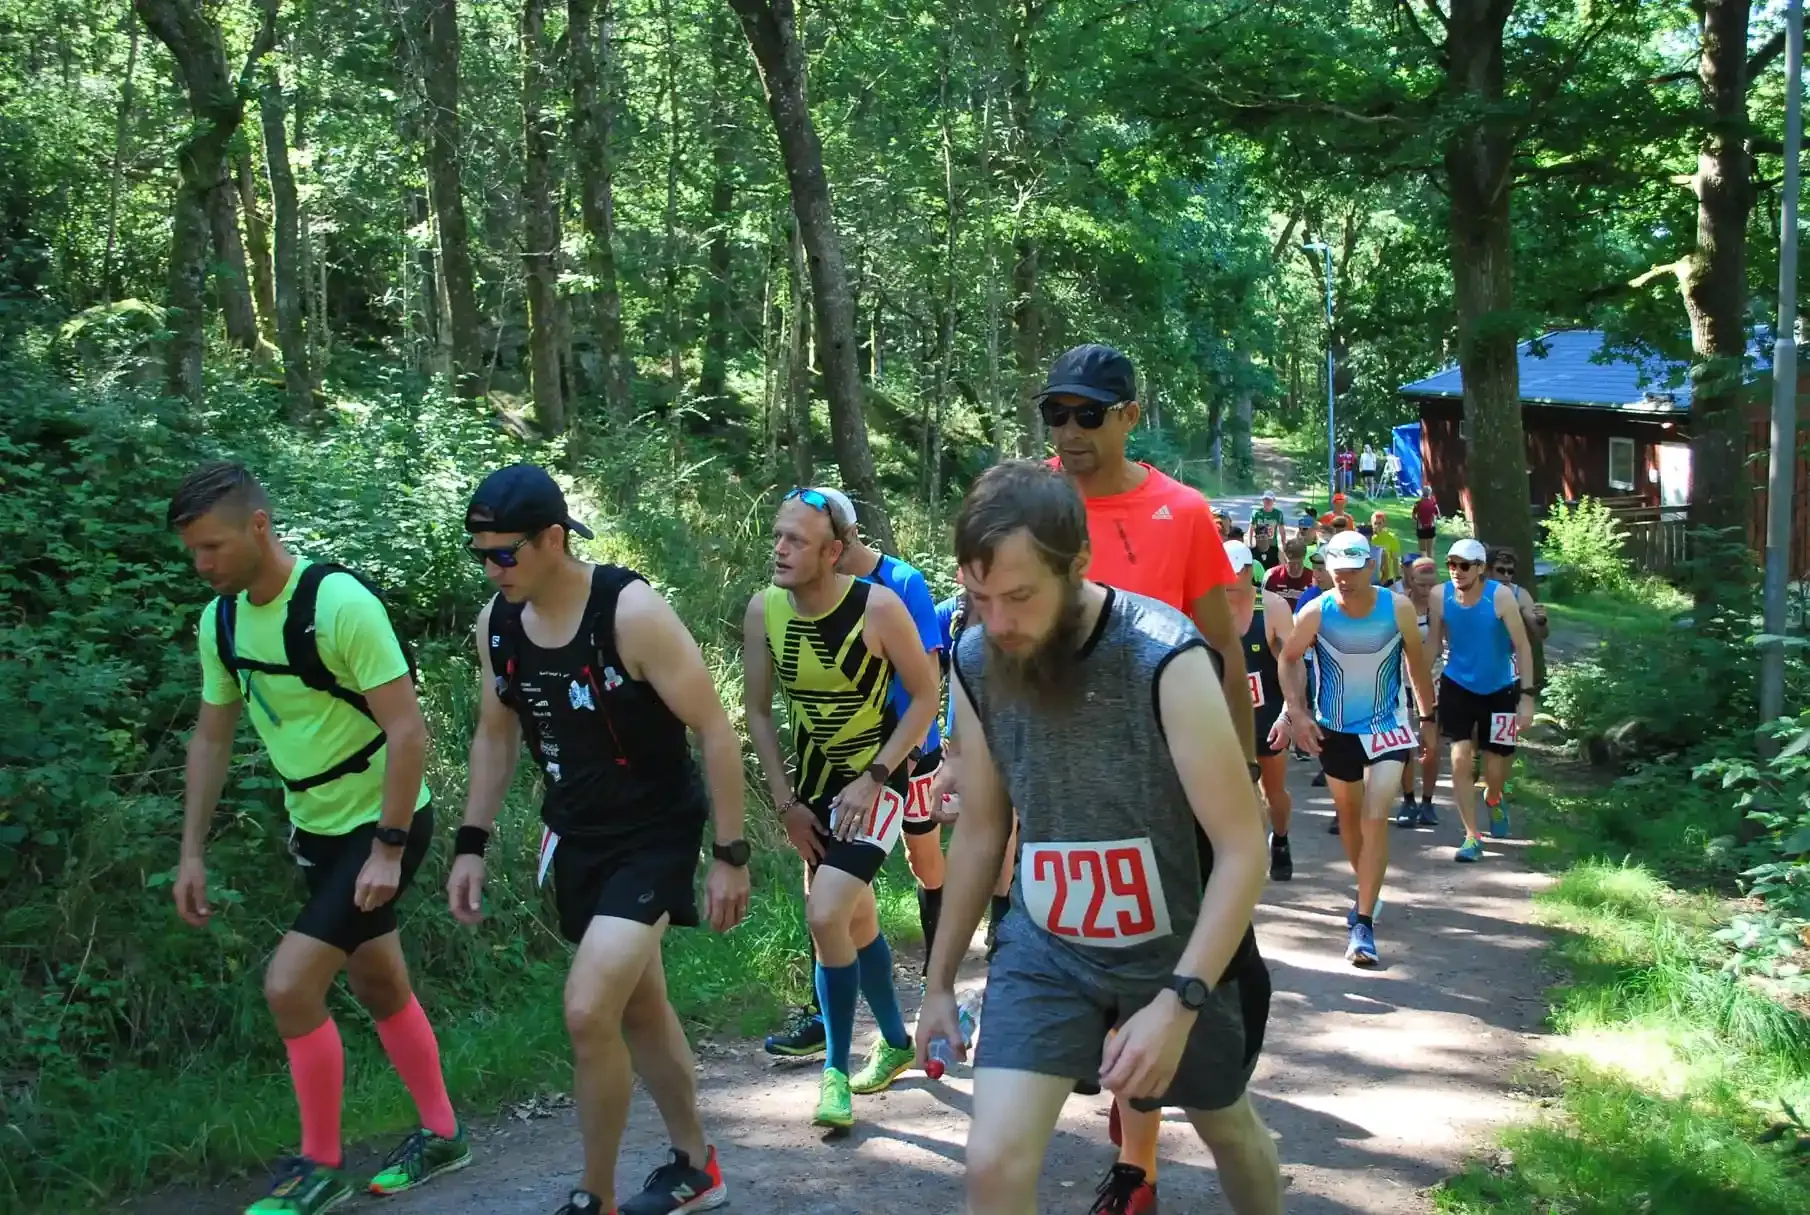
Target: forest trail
[{"x": 1376, "y": 1083}]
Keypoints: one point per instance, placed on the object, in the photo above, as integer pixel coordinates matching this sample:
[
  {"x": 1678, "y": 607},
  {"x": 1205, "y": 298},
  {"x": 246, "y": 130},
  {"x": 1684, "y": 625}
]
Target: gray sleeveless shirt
[{"x": 1109, "y": 868}]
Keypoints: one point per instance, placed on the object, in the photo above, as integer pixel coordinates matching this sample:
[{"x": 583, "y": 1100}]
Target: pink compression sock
[
  {"x": 317, "y": 1068},
  {"x": 409, "y": 1041}
]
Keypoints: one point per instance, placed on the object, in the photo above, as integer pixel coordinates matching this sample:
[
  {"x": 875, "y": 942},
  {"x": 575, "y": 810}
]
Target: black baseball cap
[
  {"x": 1093, "y": 372},
  {"x": 520, "y": 498}
]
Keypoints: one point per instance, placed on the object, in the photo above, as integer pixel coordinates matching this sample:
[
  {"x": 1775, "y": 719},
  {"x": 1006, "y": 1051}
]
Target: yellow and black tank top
[{"x": 835, "y": 689}]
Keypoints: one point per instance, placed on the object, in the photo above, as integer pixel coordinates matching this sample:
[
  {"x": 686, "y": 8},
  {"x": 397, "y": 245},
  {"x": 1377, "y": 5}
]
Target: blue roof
[{"x": 1571, "y": 367}]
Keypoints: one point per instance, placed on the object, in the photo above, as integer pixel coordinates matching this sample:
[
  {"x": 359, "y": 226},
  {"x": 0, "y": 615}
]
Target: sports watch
[
  {"x": 395, "y": 837},
  {"x": 1192, "y": 991},
  {"x": 879, "y": 771},
  {"x": 735, "y": 852}
]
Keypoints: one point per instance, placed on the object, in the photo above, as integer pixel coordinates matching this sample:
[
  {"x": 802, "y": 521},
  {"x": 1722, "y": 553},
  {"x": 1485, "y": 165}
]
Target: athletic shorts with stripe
[
  {"x": 1343, "y": 756},
  {"x": 917, "y": 802}
]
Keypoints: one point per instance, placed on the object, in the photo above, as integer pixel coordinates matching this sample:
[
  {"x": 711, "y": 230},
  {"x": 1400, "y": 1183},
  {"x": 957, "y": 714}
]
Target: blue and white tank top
[
  {"x": 1480, "y": 657},
  {"x": 1358, "y": 668}
]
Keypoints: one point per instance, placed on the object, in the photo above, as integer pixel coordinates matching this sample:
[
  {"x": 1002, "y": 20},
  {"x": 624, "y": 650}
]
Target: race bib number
[
  {"x": 1256, "y": 682},
  {"x": 1396, "y": 739},
  {"x": 884, "y": 819},
  {"x": 1504, "y": 728},
  {"x": 1106, "y": 894},
  {"x": 549, "y": 842},
  {"x": 917, "y": 802}
]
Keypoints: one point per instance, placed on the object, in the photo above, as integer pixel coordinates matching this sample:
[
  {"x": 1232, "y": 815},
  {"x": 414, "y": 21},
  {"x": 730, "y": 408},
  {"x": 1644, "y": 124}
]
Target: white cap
[
  {"x": 1346, "y": 551},
  {"x": 1239, "y": 554},
  {"x": 842, "y": 511},
  {"x": 1269, "y": 495},
  {"x": 1469, "y": 549}
]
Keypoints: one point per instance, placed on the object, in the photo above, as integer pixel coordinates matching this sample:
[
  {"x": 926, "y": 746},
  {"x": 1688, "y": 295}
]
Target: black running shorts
[
  {"x": 1345, "y": 757},
  {"x": 1266, "y": 716},
  {"x": 1488, "y": 719},
  {"x": 862, "y": 856},
  {"x": 639, "y": 883},
  {"x": 330, "y": 866},
  {"x": 917, "y": 802}
]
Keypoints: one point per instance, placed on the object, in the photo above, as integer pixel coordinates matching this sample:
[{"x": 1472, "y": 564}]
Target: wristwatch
[
  {"x": 1253, "y": 769},
  {"x": 1192, "y": 991},
  {"x": 735, "y": 852},
  {"x": 395, "y": 837},
  {"x": 879, "y": 771}
]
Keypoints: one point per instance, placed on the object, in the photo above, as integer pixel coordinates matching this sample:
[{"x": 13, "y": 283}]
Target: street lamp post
[
  {"x": 1783, "y": 466},
  {"x": 1332, "y": 447}
]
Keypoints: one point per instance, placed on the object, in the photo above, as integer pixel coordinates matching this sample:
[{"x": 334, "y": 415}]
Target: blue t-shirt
[
  {"x": 908, "y": 584},
  {"x": 1308, "y": 596},
  {"x": 945, "y": 624}
]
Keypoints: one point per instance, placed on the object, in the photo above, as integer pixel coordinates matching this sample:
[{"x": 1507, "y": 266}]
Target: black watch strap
[
  {"x": 879, "y": 771},
  {"x": 1192, "y": 991},
  {"x": 395, "y": 837},
  {"x": 735, "y": 852}
]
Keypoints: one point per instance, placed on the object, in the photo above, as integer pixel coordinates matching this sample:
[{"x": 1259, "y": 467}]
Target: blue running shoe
[
  {"x": 1404, "y": 817},
  {"x": 1360, "y": 949},
  {"x": 1498, "y": 821},
  {"x": 1470, "y": 850},
  {"x": 1429, "y": 817}
]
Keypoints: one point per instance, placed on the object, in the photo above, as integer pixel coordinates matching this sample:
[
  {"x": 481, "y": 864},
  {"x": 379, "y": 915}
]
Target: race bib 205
[{"x": 1396, "y": 738}]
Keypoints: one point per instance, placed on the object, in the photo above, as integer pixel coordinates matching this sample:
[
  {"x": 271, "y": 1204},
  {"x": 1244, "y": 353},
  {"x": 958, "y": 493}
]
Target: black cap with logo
[
  {"x": 1094, "y": 373},
  {"x": 520, "y": 498}
]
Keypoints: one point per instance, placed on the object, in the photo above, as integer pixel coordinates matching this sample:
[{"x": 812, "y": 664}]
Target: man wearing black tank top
[{"x": 597, "y": 672}]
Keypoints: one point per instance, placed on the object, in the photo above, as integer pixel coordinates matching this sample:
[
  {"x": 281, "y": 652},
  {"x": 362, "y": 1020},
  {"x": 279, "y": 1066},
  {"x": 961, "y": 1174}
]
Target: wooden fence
[{"x": 1657, "y": 538}]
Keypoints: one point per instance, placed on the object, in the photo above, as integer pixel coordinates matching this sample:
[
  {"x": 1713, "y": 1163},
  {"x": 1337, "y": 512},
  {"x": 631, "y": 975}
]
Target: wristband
[
  {"x": 1427, "y": 721},
  {"x": 470, "y": 841}
]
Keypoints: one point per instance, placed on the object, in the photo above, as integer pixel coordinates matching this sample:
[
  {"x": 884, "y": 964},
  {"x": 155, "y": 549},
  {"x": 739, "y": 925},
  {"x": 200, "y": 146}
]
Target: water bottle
[{"x": 942, "y": 1053}]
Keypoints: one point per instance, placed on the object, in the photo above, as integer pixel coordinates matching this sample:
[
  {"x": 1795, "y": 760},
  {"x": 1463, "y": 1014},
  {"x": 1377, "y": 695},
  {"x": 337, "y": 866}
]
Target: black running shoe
[
  {"x": 1319, "y": 780},
  {"x": 1282, "y": 862},
  {"x": 1124, "y": 1192},
  {"x": 582, "y": 1202},
  {"x": 801, "y": 1038},
  {"x": 677, "y": 1186}
]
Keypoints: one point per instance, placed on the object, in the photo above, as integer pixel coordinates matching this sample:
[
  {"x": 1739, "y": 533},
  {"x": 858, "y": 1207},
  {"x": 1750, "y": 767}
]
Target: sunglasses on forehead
[
  {"x": 1088, "y": 416},
  {"x": 810, "y": 498}
]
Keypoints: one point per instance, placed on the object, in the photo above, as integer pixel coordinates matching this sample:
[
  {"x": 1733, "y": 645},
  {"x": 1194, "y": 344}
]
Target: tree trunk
[
  {"x": 670, "y": 270},
  {"x": 945, "y": 328},
  {"x": 772, "y": 326},
  {"x": 773, "y": 36},
  {"x": 195, "y": 44},
  {"x": 996, "y": 413},
  {"x": 122, "y": 130},
  {"x": 540, "y": 224},
  {"x": 1027, "y": 318},
  {"x": 1715, "y": 282},
  {"x": 798, "y": 361},
  {"x": 718, "y": 261},
  {"x": 593, "y": 117},
  {"x": 1479, "y": 167},
  {"x": 436, "y": 32},
  {"x": 257, "y": 242},
  {"x": 290, "y": 286},
  {"x": 232, "y": 279},
  {"x": 313, "y": 306}
]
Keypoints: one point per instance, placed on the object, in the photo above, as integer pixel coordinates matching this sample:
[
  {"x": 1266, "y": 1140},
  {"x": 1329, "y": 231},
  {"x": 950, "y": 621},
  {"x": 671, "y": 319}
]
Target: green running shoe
[
  {"x": 302, "y": 1187},
  {"x": 1469, "y": 851},
  {"x": 834, "y": 1108},
  {"x": 886, "y": 1064},
  {"x": 419, "y": 1159}
]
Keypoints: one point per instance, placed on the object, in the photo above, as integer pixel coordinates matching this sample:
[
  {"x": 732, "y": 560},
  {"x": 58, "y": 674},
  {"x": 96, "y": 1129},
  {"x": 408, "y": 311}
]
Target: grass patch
[
  {"x": 1668, "y": 1067},
  {"x": 1647, "y": 606}
]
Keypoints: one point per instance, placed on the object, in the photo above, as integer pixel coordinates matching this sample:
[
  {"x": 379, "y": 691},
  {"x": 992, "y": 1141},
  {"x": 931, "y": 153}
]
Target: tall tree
[
  {"x": 719, "y": 283},
  {"x": 772, "y": 31},
  {"x": 289, "y": 286},
  {"x": 1027, "y": 312},
  {"x": 540, "y": 223},
  {"x": 232, "y": 279},
  {"x": 217, "y": 105},
  {"x": 122, "y": 128},
  {"x": 257, "y": 238},
  {"x": 434, "y": 39},
  {"x": 590, "y": 33}
]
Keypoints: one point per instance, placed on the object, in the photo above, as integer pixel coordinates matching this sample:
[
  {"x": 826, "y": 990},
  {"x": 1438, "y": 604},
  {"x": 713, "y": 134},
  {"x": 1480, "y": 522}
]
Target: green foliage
[{"x": 1585, "y": 543}]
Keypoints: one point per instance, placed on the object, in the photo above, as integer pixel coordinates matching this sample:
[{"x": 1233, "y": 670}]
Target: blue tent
[{"x": 1406, "y": 443}]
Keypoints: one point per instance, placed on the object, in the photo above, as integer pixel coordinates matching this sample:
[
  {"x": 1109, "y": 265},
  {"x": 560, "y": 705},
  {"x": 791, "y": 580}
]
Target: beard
[{"x": 1049, "y": 672}]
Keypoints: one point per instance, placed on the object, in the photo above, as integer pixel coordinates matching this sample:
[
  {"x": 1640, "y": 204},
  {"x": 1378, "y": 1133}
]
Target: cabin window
[{"x": 1621, "y": 463}]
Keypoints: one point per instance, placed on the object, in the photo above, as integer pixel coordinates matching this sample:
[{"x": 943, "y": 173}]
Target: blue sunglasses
[
  {"x": 812, "y": 499},
  {"x": 503, "y": 556}
]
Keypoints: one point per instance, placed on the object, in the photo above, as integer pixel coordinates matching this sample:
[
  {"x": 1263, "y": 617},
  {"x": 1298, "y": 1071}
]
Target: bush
[{"x": 1585, "y": 544}]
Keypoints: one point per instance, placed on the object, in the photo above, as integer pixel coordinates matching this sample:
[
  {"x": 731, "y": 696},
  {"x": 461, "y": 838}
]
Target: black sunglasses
[
  {"x": 503, "y": 556},
  {"x": 1452, "y": 564},
  {"x": 1503, "y": 569},
  {"x": 1090, "y": 416}
]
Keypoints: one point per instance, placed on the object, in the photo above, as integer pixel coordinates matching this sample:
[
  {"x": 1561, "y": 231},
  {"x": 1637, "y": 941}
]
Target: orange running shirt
[{"x": 1157, "y": 540}]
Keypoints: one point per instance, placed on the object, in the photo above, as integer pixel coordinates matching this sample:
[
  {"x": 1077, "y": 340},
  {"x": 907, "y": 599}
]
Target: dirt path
[{"x": 1376, "y": 1083}]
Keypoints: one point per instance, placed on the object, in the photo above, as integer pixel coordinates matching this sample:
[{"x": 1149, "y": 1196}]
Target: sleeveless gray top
[{"x": 1109, "y": 867}]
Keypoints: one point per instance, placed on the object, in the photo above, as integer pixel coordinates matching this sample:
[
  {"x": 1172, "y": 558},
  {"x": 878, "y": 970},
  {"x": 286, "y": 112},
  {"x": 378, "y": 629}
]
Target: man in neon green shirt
[
  {"x": 1389, "y": 568},
  {"x": 332, "y": 699}
]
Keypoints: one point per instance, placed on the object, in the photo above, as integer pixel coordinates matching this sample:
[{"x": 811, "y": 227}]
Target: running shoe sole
[
  {"x": 709, "y": 1200},
  {"x": 789, "y": 1052}
]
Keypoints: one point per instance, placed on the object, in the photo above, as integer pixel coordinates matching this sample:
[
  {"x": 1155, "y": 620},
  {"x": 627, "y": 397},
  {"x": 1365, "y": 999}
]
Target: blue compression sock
[
  {"x": 875, "y": 961},
  {"x": 837, "y": 987}
]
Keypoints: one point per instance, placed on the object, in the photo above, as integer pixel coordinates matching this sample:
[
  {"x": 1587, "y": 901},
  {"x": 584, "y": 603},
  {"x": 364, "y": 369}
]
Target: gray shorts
[{"x": 1047, "y": 1014}]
